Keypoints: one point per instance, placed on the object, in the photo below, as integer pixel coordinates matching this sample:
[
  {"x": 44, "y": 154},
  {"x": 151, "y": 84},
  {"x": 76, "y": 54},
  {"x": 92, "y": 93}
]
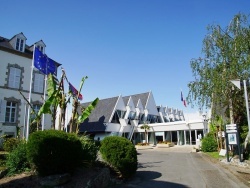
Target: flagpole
[
  {"x": 31, "y": 79},
  {"x": 44, "y": 96}
]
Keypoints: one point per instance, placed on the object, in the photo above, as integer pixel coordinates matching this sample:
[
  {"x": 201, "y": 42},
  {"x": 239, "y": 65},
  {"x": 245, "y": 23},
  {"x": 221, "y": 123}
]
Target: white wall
[{"x": 25, "y": 62}]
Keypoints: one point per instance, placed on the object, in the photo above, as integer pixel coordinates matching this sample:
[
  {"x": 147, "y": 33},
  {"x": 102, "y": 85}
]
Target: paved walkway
[{"x": 178, "y": 167}]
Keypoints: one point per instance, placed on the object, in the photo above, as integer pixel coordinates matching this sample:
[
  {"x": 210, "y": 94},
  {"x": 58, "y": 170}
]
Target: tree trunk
[{"x": 231, "y": 111}]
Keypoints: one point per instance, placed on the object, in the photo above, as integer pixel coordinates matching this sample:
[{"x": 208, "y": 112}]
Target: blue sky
[{"x": 124, "y": 46}]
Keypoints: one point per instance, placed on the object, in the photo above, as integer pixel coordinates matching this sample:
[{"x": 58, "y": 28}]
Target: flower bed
[
  {"x": 165, "y": 144},
  {"x": 143, "y": 146}
]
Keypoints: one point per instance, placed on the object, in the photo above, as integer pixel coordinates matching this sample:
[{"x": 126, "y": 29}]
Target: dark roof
[
  {"x": 6, "y": 46},
  {"x": 125, "y": 99},
  {"x": 143, "y": 97},
  {"x": 5, "y": 43},
  {"x": 103, "y": 111},
  {"x": 99, "y": 116}
]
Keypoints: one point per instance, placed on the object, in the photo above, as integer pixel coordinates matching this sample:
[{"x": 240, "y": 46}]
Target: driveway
[{"x": 179, "y": 167}]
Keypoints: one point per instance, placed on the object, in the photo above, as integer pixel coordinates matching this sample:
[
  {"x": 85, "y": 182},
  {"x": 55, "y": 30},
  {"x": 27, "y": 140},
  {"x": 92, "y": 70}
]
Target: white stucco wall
[{"x": 24, "y": 62}]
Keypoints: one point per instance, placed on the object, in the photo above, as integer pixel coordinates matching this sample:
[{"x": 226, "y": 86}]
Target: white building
[
  {"x": 123, "y": 116},
  {"x": 15, "y": 75}
]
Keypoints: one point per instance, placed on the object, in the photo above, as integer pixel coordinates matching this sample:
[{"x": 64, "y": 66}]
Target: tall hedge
[
  {"x": 121, "y": 154},
  {"x": 53, "y": 151}
]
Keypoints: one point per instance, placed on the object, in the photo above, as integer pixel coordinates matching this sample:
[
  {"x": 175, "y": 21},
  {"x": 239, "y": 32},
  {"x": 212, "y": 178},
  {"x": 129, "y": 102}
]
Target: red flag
[
  {"x": 74, "y": 91},
  {"x": 184, "y": 101}
]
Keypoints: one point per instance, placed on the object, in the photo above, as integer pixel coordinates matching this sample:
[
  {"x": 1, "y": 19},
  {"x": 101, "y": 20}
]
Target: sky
[{"x": 125, "y": 47}]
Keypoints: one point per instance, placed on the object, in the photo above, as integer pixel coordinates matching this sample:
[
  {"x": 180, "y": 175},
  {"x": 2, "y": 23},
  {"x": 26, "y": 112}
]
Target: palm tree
[{"x": 146, "y": 127}]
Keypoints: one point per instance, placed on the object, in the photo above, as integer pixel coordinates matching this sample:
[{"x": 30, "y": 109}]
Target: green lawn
[{"x": 215, "y": 155}]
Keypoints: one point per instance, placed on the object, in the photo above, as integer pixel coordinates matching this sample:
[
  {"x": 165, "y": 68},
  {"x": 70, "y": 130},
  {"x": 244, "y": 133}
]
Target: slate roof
[
  {"x": 5, "y": 43},
  {"x": 99, "y": 116},
  {"x": 6, "y": 46},
  {"x": 143, "y": 97},
  {"x": 103, "y": 111},
  {"x": 125, "y": 99}
]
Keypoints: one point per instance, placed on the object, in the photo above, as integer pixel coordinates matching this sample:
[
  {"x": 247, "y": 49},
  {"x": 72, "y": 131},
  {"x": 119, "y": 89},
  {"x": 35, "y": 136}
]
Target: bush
[
  {"x": 10, "y": 143},
  {"x": 246, "y": 151},
  {"x": 89, "y": 148},
  {"x": 53, "y": 151},
  {"x": 208, "y": 143},
  {"x": 121, "y": 154},
  {"x": 17, "y": 160}
]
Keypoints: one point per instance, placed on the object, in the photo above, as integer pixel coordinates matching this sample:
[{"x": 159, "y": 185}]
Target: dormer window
[
  {"x": 41, "y": 48},
  {"x": 19, "y": 44}
]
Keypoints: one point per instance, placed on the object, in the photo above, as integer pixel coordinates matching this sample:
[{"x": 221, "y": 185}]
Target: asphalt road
[{"x": 179, "y": 168}]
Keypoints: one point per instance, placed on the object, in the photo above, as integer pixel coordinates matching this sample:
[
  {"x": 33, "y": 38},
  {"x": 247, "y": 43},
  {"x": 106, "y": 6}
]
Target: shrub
[
  {"x": 121, "y": 154},
  {"x": 246, "y": 151},
  {"x": 53, "y": 151},
  {"x": 17, "y": 160},
  {"x": 89, "y": 148},
  {"x": 208, "y": 143},
  {"x": 10, "y": 143}
]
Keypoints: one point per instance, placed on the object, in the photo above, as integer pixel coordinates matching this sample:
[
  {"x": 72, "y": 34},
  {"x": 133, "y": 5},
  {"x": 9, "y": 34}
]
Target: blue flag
[{"x": 43, "y": 63}]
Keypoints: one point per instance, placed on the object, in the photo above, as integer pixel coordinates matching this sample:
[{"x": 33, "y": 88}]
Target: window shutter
[
  {"x": 14, "y": 77},
  {"x": 2, "y": 110},
  {"x": 38, "y": 83}
]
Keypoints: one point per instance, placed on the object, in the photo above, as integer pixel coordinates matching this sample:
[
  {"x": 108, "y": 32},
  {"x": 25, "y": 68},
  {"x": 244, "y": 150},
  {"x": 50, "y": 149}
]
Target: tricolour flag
[
  {"x": 74, "y": 91},
  {"x": 183, "y": 100},
  {"x": 43, "y": 63}
]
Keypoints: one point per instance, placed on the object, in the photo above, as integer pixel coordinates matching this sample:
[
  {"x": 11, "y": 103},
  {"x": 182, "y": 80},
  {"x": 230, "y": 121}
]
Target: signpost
[{"x": 232, "y": 138}]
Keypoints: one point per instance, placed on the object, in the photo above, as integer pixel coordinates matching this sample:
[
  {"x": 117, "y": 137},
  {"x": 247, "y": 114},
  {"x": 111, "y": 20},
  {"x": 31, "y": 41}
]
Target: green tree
[
  {"x": 57, "y": 97},
  {"x": 146, "y": 127},
  {"x": 226, "y": 57}
]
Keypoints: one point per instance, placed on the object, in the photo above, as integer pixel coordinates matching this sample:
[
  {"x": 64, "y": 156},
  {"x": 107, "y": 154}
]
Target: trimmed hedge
[
  {"x": 121, "y": 154},
  {"x": 53, "y": 151}
]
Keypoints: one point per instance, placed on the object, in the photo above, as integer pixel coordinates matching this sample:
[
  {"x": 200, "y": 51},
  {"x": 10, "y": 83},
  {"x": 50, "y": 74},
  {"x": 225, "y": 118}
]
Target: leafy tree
[
  {"x": 146, "y": 127},
  {"x": 226, "y": 57},
  {"x": 57, "y": 97}
]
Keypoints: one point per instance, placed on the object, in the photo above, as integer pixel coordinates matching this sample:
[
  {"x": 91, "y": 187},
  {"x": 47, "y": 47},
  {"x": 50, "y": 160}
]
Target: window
[
  {"x": 141, "y": 118},
  {"x": 118, "y": 114},
  {"x": 165, "y": 119},
  {"x": 19, "y": 44},
  {"x": 14, "y": 77},
  {"x": 131, "y": 116},
  {"x": 2, "y": 110},
  {"x": 36, "y": 108},
  {"x": 151, "y": 118},
  {"x": 10, "y": 114},
  {"x": 38, "y": 82},
  {"x": 41, "y": 48}
]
